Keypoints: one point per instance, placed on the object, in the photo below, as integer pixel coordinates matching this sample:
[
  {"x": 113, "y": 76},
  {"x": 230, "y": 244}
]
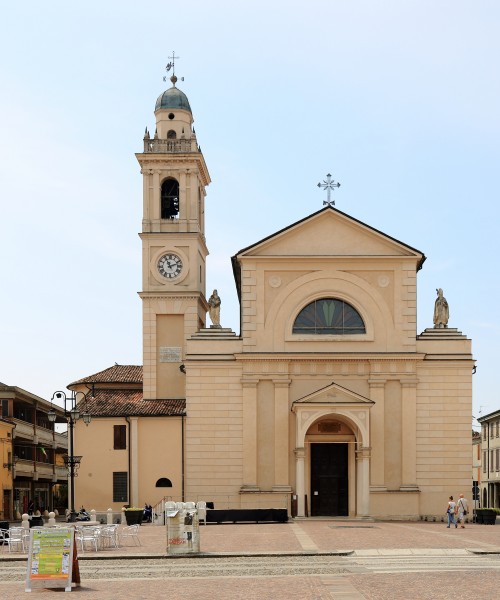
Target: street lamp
[{"x": 72, "y": 415}]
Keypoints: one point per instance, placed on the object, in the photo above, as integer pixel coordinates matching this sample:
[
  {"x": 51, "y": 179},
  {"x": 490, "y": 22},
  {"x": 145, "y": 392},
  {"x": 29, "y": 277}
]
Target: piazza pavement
[{"x": 307, "y": 559}]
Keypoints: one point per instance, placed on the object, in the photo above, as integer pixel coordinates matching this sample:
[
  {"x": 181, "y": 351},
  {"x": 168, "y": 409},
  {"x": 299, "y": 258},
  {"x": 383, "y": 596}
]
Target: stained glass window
[{"x": 329, "y": 316}]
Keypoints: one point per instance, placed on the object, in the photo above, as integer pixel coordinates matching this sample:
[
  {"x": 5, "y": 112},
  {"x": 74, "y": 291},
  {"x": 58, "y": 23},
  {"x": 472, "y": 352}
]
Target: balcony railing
[
  {"x": 24, "y": 468},
  {"x": 170, "y": 146},
  {"x": 40, "y": 435},
  {"x": 45, "y": 436},
  {"x": 23, "y": 429},
  {"x": 61, "y": 441},
  {"x": 45, "y": 470},
  {"x": 62, "y": 473}
]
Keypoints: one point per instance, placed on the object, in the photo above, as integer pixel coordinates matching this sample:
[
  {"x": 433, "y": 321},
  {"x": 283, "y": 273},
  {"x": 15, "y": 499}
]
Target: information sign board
[
  {"x": 52, "y": 559},
  {"x": 183, "y": 532}
]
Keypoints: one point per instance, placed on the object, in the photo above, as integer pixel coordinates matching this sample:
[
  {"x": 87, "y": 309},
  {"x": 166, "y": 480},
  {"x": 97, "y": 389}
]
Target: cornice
[{"x": 168, "y": 160}]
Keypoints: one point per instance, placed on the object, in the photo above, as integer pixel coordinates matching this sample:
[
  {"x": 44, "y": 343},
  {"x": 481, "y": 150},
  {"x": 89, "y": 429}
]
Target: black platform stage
[{"x": 248, "y": 515}]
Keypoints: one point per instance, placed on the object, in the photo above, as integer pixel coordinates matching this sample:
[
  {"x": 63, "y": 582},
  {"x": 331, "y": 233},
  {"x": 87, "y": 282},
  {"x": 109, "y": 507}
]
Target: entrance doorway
[{"x": 329, "y": 480}]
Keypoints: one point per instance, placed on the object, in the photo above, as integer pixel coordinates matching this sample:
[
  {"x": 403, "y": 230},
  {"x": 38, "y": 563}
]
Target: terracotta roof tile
[
  {"x": 128, "y": 403},
  {"x": 115, "y": 374}
]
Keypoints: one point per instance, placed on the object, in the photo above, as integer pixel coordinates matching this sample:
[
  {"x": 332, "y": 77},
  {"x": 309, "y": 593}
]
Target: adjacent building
[
  {"x": 6, "y": 468},
  {"x": 131, "y": 451},
  {"x": 32, "y": 472},
  {"x": 327, "y": 401},
  {"x": 476, "y": 468},
  {"x": 490, "y": 450}
]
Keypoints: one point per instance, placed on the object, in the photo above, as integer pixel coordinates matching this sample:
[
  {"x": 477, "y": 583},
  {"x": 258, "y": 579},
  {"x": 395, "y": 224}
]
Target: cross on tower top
[
  {"x": 171, "y": 65},
  {"x": 328, "y": 184}
]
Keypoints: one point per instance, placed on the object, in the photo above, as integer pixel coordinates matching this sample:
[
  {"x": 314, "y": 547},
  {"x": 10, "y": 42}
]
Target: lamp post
[{"x": 72, "y": 415}]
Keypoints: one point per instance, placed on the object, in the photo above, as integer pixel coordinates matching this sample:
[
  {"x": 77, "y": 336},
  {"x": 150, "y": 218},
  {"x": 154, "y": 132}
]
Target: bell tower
[{"x": 173, "y": 243}]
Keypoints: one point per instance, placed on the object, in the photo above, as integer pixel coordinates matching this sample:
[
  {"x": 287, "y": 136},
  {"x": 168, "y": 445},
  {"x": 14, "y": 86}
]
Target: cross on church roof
[{"x": 328, "y": 185}]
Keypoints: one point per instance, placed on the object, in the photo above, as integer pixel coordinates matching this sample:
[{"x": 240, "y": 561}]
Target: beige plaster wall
[
  {"x": 443, "y": 431},
  {"x": 187, "y": 307},
  {"x": 169, "y": 379},
  {"x": 214, "y": 428},
  {"x": 272, "y": 298},
  {"x": 94, "y": 443},
  {"x": 160, "y": 451},
  {"x": 440, "y": 442},
  {"x": 158, "y": 444}
]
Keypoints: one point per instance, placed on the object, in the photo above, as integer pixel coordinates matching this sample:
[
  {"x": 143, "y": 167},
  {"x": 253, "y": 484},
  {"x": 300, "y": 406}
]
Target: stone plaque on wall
[
  {"x": 329, "y": 427},
  {"x": 169, "y": 354}
]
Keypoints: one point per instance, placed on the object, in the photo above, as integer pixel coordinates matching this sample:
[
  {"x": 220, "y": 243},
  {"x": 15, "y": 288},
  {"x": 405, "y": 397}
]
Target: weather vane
[
  {"x": 171, "y": 65},
  {"x": 328, "y": 185}
]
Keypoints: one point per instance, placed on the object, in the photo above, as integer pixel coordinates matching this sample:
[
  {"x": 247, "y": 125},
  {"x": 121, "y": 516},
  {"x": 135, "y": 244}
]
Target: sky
[{"x": 398, "y": 100}]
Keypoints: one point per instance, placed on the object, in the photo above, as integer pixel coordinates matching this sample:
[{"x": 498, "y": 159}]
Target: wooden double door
[{"x": 329, "y": 480}]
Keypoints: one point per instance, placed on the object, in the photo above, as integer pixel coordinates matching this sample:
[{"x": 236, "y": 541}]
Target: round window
[{"x": 171, "y": 116}]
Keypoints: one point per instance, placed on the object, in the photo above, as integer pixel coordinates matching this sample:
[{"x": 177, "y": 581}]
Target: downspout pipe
[{"x": 129, "y": 454}]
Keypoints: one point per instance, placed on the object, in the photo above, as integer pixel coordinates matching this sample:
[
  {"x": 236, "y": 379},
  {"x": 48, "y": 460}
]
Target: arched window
[
  {"x": 163, "y": 482},
  {"x": 329, "y": 316},
  {"x": 169, "y": 199},
  {"x": 171, "y": 135}
]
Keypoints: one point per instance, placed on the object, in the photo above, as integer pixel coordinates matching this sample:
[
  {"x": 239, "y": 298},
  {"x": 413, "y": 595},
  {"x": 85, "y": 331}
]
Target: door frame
[
  {"x": 314, "y": 447},
  {"x": 350, "y": 440}
]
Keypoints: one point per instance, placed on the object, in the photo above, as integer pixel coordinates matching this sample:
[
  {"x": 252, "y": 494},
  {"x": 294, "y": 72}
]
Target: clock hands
[{"x": 170, "y": 265}]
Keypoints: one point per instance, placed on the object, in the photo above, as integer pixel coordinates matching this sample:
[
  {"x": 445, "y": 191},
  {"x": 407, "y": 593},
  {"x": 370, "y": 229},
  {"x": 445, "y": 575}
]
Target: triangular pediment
[
  {"x": 330, "y": 232},
  {"x": 334, "y": 394}
]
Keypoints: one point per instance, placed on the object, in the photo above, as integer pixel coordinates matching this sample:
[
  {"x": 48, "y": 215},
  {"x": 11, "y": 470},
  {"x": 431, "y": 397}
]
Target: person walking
[
  {"x": 450, "y": 511},
  {"x": 462, "y": 509}
]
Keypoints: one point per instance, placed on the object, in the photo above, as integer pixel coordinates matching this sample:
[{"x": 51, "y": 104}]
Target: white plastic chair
[
  {"x": 16, "y": 539},
  {"x": 130, "y": 532},
  {"x": 109, "y": 536},
  {"x": 179, "y": 506},
  {"x": 88, "y": 535},
  {"x": 202, "y": 511},
  {"x": 189, "y": 505},
  {"x": 4, "y": 538}
]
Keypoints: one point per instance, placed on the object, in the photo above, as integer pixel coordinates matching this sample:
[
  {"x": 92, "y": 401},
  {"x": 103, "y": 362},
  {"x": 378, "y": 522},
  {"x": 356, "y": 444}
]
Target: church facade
[{"x": 328, "y": 402}]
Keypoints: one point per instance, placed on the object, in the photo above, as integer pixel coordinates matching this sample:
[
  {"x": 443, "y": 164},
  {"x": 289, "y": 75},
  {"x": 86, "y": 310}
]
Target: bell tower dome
[{"x": 174, "y": 250}]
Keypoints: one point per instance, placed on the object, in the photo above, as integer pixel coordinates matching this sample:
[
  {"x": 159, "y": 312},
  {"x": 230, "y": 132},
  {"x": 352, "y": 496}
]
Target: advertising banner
[
  {"x": 52, "y": 559},
  {"x": 183, "y": 532}
]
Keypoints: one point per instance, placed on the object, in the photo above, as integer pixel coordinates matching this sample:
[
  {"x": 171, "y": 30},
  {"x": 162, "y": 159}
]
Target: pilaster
[
  {"x": 250, "y": 435},
  {"x": 300, "y": 483},
  {"x": 363, "y": 482},
  {"x": 409, "y": 436},
  {"x": 281, "y": 435},
  {"x": 377, "y": 421},
  {"x": 134, "y": 461}
]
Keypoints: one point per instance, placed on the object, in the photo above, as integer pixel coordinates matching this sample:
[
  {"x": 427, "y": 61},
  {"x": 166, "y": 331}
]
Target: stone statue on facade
[
  {"x": 441, "y": 311},
  {"x": 214, "y": 303}
]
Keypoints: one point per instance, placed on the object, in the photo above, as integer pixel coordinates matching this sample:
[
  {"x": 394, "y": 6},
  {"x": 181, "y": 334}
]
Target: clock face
[{"x": 169, "y": 265}]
